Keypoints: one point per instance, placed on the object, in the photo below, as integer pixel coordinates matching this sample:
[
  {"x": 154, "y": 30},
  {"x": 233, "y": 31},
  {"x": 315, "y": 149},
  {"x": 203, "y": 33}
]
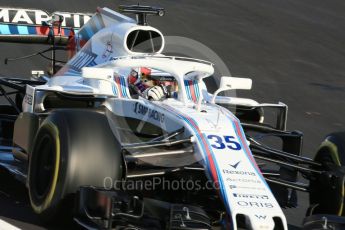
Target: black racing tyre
[
  {"x": 72, "y": 148},
  {"x": 328, "y": 191}
]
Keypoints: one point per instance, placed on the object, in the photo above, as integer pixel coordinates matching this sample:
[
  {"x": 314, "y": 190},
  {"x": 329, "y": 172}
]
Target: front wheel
[
  {"x": 72, "y": 148},
  {"x": 327, "y": 190},
  {"x": 45, "y": 170}
]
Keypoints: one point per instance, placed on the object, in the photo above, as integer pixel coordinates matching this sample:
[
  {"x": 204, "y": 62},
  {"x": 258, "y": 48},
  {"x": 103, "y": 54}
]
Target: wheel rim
[{"x": 45, "y": 166}]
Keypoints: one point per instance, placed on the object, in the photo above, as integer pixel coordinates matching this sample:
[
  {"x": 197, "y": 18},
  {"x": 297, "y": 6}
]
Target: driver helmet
[{"x": 141, "y": 78}]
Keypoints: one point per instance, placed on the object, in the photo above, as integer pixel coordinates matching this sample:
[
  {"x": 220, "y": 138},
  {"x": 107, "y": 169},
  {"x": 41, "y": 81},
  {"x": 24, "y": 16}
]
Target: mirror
[{"x": 229, "y": 83}]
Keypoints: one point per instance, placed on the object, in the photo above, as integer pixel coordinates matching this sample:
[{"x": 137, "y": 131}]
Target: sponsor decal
[
  {"x": 255, "y": 204},
  {"x": 235, "y": 165},
  {"x": 226, "y": 171},
  {"x": 253, "y": 181},
  {"x": 151, "y": 113},
  {"x": 108, "y": 48},
  {"x": 261, "y": 217},
  {"x": 82, "y": 59},
  {"x": 163, "y": 78},
  {"x": 37, "y": 17},
  {"x": 229, "y": 142},
  {"x": 250, "y": 196},
  {"x": 246, "y": 187},
  {"x": 28, "y": 99}
]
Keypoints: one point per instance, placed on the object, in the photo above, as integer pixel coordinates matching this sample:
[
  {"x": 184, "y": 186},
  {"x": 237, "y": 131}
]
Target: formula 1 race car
[{"x": 89, "y": 145}]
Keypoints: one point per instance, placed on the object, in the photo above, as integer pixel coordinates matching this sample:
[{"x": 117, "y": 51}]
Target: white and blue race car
[{"x": 86, "y": 139}]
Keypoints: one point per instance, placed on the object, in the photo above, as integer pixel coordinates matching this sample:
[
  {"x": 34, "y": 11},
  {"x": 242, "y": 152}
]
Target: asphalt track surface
[{"x": 294, "y": 51}]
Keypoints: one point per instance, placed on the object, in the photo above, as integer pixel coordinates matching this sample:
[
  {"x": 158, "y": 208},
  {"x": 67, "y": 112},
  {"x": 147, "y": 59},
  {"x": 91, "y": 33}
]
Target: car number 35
[{"x": 218, "y": 142}]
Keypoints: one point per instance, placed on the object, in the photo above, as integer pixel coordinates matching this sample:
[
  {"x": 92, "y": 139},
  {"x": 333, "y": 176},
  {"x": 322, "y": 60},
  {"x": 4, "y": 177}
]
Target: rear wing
[{"x": 38, "y": 26}]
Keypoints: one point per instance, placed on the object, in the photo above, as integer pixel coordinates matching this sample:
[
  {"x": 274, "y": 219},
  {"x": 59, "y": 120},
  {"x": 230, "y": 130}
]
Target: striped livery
[
  {"x": 192, "y": 90},
  {"x": 120, "y": 88},
  {"x": 12, "y": 29}
]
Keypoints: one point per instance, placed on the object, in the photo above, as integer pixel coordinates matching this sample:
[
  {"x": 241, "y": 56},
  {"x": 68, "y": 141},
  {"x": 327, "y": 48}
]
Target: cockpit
[{"x": 142, "y": 80}]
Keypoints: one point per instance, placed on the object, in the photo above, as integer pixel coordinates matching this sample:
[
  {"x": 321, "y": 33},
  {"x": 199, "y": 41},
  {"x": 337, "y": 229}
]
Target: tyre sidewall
[
  {"x": 87, "y": 152},
  {"x": 47, "y": 205},
  {"x": 331, "y": 154}
]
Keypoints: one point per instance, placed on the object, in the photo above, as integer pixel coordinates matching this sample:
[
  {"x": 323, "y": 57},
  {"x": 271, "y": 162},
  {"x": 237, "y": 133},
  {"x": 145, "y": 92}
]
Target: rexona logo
[
  {"x": 37, "y": 17},
  {"x": 226, "y": 171},
  {"x": 250, "y": 196},
  {"x": 254, "y": 204},
  {"x": 235, "y": 165}
]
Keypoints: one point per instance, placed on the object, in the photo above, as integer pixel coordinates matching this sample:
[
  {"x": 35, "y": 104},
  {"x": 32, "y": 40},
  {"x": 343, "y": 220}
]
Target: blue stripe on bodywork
[
  {"x": 23, "y": 30},
  {"x": 196, "y": 89},
  {"x": 4, "y": 29},
  {"x": 233, "y": 120},
  {"x": 32, "y": 30},
  {"x": 204, "y": 153},
  {"x": 114, "y": 89},
  {"x": 66, "y": 31},
  {"x": 123, "y": 86},
  {"x": 186, "y": 83},
  {"x": 220, "y": 181},
  {"x": 13, "y": 29},
  {"x": 188, "y": 89}
]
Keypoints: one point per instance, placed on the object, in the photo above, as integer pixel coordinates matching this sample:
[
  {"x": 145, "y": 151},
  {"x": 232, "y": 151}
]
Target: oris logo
[{"x": 254, "y": 204}]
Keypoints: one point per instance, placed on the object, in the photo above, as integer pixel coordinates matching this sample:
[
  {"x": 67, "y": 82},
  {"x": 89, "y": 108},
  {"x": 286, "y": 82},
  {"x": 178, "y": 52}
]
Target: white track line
[{"x": 7, "y": 226}]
